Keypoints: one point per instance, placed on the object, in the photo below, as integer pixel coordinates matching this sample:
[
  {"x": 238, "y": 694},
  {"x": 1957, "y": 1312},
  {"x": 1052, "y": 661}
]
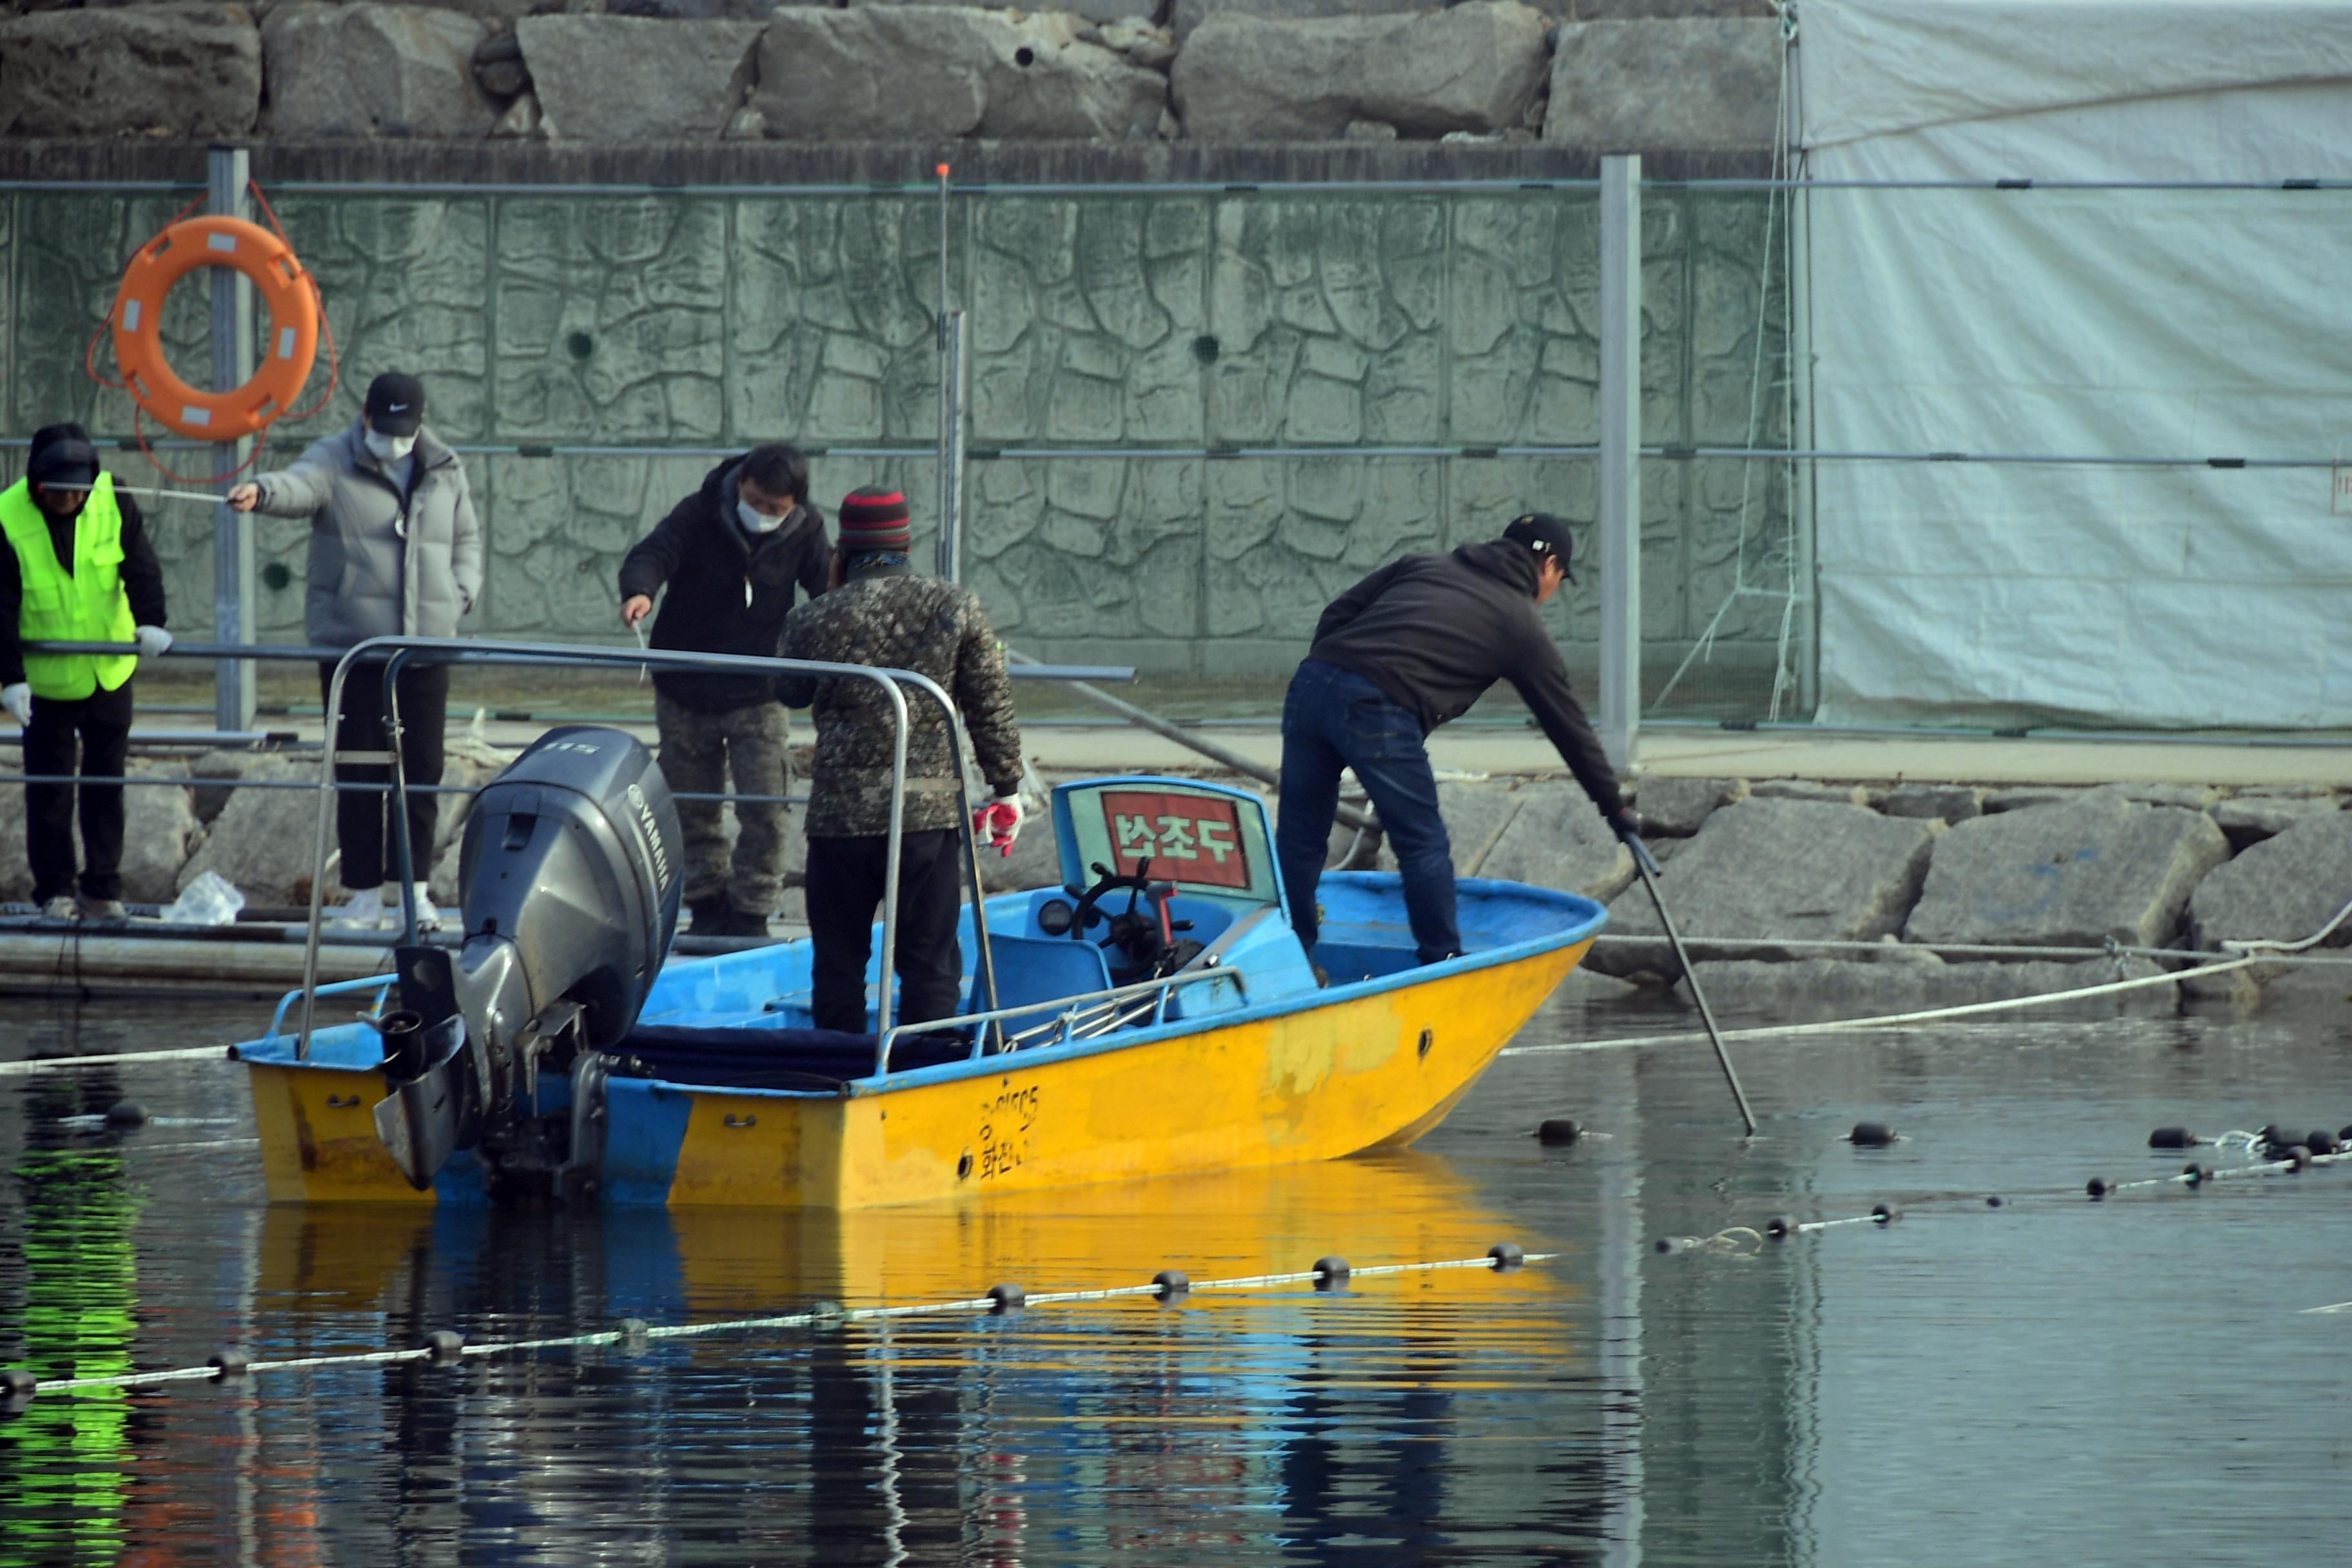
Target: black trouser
[
  {"x": 90, "y": 736},
  {"x": 844, "y": 888},
  {"x": 359, "y": 814}
]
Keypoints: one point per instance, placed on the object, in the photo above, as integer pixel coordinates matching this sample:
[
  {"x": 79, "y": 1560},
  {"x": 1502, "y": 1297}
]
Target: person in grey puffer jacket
[{"x": 396, "y": 551}]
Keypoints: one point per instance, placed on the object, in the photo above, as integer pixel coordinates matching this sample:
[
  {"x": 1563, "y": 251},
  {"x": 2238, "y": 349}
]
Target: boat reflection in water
[{"x": 1273, "y": 1425}]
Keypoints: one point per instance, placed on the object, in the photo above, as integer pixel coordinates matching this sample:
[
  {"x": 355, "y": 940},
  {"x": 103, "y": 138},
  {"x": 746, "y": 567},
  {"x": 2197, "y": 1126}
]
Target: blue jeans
[{"x": 1334, "y": 719}]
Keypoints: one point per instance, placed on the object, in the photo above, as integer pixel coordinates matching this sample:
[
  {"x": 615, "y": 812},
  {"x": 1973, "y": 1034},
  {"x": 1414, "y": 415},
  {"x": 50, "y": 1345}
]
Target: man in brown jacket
[{"x": 883, "y": 613}]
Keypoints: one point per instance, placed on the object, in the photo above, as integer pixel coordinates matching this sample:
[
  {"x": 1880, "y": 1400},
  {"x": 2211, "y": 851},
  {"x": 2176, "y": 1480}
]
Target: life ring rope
[{"x": 296, "y": 316}]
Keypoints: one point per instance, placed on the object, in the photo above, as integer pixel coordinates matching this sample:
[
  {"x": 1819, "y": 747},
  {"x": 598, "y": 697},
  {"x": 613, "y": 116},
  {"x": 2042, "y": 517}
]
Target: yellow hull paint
[
  {"x": 319, "y": 1141},
  {"x": 1314, "y": 1084}
]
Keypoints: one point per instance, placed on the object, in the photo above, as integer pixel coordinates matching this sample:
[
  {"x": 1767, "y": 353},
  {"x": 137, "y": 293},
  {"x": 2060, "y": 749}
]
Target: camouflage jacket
[{"x": 901, "y": 621}]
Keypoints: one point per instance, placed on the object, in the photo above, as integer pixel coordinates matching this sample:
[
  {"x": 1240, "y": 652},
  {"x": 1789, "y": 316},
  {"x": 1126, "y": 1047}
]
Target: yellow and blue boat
[
  {"x": 1165, "y": 1021},
  {"x": 1155, "y": 1016}
]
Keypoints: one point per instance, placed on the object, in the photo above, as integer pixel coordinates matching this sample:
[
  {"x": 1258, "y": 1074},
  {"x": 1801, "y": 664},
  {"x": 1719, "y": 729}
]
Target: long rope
[
  {"x": 1887, "y": 1020},
  {"x": 1331, "y": 1273}
]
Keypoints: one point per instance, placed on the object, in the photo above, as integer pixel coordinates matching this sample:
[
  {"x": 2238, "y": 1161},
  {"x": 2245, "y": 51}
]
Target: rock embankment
[
  {"x": 1639, "y": 74},
  {"x": 1840, "y": 899}
]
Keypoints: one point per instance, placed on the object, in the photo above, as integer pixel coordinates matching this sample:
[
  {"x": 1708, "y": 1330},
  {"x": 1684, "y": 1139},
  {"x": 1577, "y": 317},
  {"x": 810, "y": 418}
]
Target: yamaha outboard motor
[{"x": 570, "y": 871}]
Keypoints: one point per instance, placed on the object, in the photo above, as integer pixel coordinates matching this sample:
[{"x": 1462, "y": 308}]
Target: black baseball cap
[
  {"x": 395, "y": 404},
  {"x": 62, "y": 458},
  {"x": 1546, "y": 535}
]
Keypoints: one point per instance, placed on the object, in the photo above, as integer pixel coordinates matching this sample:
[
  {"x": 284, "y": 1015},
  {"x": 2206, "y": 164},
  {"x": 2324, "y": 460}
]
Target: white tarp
[{"x": 2084, "y": 323}]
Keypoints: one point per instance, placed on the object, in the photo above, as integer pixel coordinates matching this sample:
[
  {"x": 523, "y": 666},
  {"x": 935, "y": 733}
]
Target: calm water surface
[{"x": 2124, "y": 1381}]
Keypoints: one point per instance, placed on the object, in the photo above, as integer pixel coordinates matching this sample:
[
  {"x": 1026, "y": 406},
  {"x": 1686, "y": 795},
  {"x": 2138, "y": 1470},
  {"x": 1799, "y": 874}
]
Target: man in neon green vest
[{"x": 77, "y": 569}]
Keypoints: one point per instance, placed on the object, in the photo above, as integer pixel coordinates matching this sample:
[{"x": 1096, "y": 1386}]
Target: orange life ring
[{"x": 286, "y": 292}]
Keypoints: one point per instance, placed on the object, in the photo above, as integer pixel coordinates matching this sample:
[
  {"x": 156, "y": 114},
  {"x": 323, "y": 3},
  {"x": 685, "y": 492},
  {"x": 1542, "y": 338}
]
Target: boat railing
[
  {"x": 379, "y": 984},
  {"x": 1082, "y": 1016},
  {"x": 391, "y": 654}
]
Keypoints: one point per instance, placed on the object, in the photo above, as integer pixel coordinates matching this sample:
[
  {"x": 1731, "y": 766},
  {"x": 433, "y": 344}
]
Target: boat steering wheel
[{"x": 1132, "y": 932}]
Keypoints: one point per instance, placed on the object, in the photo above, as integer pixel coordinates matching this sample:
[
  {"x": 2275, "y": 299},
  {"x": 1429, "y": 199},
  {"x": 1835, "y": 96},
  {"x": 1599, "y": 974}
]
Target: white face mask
[
  {"x": 390, "y": 448},
  {"x": 756, "y": 521}
]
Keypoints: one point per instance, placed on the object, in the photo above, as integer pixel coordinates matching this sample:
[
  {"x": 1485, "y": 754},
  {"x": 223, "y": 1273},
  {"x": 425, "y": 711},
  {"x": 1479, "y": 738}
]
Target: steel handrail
[
  {"x": 996, "y": 1015},
  {"x": 461, "y": 651}
]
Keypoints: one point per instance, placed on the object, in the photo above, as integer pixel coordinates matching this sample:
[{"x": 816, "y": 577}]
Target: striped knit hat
[{"x": 875, "y": 518}]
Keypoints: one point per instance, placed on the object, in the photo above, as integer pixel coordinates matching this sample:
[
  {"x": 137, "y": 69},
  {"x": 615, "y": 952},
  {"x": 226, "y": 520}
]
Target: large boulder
[
  {"x": 636, "y": 78},
  {"x": 907, "y": 73},
  {"x": 1683, "y": 85},
  {"x": 1555, "y": 839},
  {"x": 158, "y": 822},
  {"x": 262, "y": 844},
  {"x": 1677, "y": 809},
  {"x": 189, "y": 73},
  {"x": 2070, "y": 874},
  {"x": 1187, "y": 15},
  {"x": 1474, "y": 67},
  {"x": 2280, "y": 890},
  {"x": 1944, "y": 802},
  {"x": 1476, "y": 815},
  {"x": 1835, "y": 988},
  {"x": 1089, "y": 10},
  {"x": 1790, "y": 870},
  {"x": 2249, "y": 819},
  {"x": 375, "y": 70}
]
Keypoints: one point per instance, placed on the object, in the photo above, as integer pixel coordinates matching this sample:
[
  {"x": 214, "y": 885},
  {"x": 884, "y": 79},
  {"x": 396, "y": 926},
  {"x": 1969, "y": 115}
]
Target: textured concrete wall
[{"x": 1242, "y": 319}]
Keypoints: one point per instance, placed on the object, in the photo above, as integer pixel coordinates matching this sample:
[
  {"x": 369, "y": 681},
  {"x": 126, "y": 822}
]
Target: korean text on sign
[{"x": 1187, "y": 837}]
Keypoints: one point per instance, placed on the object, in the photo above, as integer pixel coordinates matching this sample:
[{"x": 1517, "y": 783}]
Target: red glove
[{"x": 999, "y": 823}]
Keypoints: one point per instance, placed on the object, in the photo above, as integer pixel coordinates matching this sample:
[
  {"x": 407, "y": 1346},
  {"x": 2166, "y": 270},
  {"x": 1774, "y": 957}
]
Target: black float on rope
[
  {"x": 1007, "y": 1298},
  {"x": 126, "y": 1113},
  {"x": 2172, "y": 1138},
  {"x": 1666, "y": 1245},
  {"x": 2323, "y": 1141},
  {"x": 1993, "y": 1200},
  {"x": 1558, "y": 1130},
  {"x": 1331, "y": 1273},
  {"x": 2297, "y": 1159},
  {"x": 1508, "y": 1256},
  {"x": 1174, "y": 1284},
  {"x": 2099, "y": 1187},
  {"x": 1870, "y": 1135},
  {"x": 228, "y": 1363},
  {"x": 447, "y": 1344},
  {"x": 1886, "y": 1213},
  {"x": 2197, "y": 1174},
  {"x": 1779, "y": 1227}
]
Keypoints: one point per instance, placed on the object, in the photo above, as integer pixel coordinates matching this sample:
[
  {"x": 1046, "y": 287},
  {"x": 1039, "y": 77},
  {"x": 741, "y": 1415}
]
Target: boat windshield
[{"x": 1204, "y": 838}]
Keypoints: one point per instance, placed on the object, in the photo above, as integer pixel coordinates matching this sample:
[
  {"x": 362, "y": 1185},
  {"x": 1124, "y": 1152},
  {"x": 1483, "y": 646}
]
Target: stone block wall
[{"x": 1229, "y": 320}]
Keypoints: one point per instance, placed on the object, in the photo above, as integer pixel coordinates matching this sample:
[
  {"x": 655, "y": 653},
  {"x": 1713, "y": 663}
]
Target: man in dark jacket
[
  {"x": 1409, "y": 647},
  {"x": 885, "y": 614},
  {"x": 733, "y": 556},
  {"x": 78, "y": 568}
]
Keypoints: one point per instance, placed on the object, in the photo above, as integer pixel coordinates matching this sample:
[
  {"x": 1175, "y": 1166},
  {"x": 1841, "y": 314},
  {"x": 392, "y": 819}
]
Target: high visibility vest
[{"x": 86, "y": 606}]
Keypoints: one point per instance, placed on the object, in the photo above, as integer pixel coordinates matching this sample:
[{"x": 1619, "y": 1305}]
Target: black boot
[{"x": 713, "y": 916}]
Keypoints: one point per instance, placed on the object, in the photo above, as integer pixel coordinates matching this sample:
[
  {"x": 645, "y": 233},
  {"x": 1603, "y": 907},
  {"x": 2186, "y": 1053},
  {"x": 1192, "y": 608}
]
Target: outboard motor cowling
[{"x": 570, "y": 873}]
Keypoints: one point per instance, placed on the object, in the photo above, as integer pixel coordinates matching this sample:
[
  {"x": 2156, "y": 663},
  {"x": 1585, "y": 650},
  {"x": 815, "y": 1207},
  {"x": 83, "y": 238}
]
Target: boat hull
[{"x": 1357, "y": 1068}]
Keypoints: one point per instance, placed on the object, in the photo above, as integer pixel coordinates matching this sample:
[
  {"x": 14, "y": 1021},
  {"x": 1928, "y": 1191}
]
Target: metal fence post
[
  {"x": 951, "y": 447},
  {"x": 234, "y": 685},
  {"x": 1621, "y": 457}
]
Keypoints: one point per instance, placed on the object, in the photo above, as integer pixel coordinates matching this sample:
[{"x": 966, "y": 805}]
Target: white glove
[
  {"x": 1000, "y": 821},
  {"x": 18, "y": 701},
  {"x": 153, "y": 641}
]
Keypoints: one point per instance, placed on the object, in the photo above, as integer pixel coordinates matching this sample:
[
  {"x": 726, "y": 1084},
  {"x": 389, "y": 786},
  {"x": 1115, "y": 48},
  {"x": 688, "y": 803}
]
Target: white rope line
[
  {"x": 2314, "y": 939},
  {"x": 1976, "y": 949},
  {"x": 1887, "y": 1020},
  {"x": 825, "y": 1314},
  {"x": 118, "y": 1058}
]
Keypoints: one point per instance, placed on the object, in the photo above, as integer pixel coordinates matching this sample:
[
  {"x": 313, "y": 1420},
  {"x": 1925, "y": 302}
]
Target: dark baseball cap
[
  {"x": 62, "y": 458},
  {"x": 1546, "y": 535},
  {"x": 395, "y": 404}
]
